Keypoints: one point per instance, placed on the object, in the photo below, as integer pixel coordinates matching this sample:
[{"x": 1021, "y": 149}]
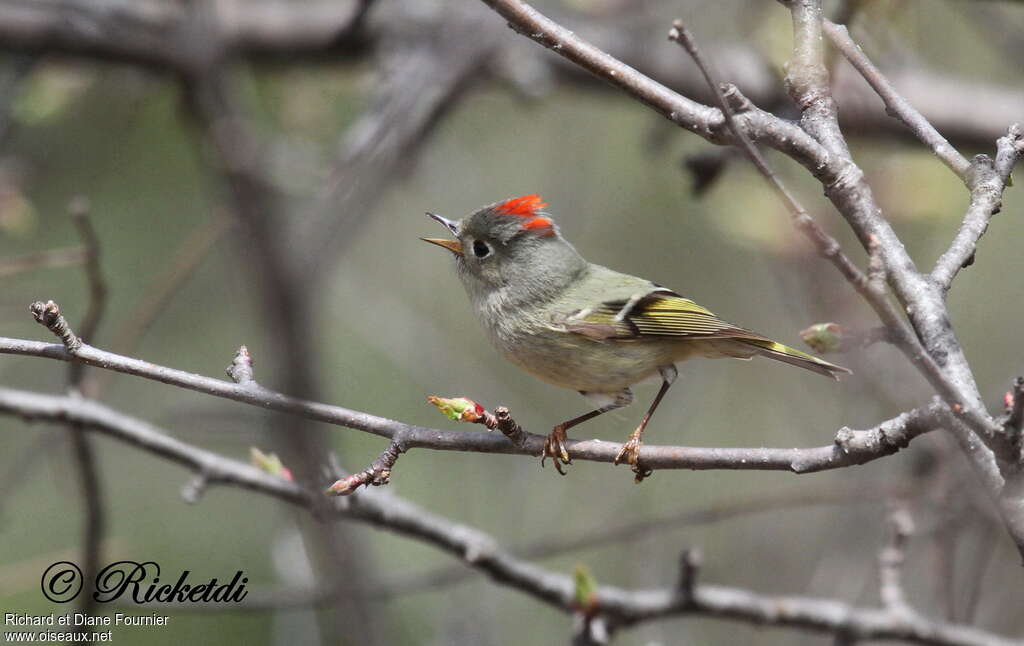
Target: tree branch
[
  {"x": 896, "y": 105},
  {"x": 156, "y": 34},
  {"x": 425, "y": 73},
  {"x": 819, "y": 146},
  {"x": 828, "y": 247},
  {"x": 94, "y": 514},
  {"x": 987, "y": 181},
  {"x": 920, "y": 297},
  {"x": 843, "y": 181},
  {"x": 481, "y": 552},
  {"x": 556, "y": 545},
  {"x": 163, "y": 35},
  {"x": 851, "y": 447},
  {"x": 225, "y": 126}
]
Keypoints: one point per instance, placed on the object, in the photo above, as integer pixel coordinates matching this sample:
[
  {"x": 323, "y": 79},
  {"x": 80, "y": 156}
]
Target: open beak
[{"x": 453, "y": 246}]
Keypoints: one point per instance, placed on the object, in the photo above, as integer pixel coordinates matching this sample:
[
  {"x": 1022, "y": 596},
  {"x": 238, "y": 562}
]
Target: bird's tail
[{"x": 792, "y": 356}]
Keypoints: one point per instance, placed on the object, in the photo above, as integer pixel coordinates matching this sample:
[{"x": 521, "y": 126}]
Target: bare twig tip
[
  {"x": 48, "y": 314},
  {"x": 377, "y": 474},
  {"x": 240, "y": 370}
]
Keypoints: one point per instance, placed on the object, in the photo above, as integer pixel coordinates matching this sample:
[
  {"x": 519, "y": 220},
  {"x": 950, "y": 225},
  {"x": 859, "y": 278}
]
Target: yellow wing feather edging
[{"x": 667, "y": 314}]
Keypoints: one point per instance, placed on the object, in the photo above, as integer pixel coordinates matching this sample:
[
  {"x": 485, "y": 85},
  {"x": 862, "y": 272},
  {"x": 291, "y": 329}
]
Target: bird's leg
[
  {"x": 554, "y": 445},
  {"x": 630, "y": 453}
]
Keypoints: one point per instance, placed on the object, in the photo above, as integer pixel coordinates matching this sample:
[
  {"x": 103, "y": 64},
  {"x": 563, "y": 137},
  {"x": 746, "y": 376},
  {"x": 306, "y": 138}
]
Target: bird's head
[{"x": 510, "y": 244}]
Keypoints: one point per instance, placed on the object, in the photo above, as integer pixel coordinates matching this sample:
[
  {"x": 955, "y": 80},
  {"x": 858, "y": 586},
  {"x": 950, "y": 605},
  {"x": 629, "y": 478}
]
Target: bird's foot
[
  {"x": 554, "y": 448},
  {"x": 630, "y": 454}
]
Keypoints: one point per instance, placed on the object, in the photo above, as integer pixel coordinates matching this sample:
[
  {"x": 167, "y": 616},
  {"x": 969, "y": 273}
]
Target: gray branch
[
  {"x": 851, "y": 447},
  {"x": 482, "y": 552},
  {"x": 162, "y": 35},
  {"x": 818, "y": 144},
  {"x": 987, "y": 181},
  {"x": 896, "y": 105}
]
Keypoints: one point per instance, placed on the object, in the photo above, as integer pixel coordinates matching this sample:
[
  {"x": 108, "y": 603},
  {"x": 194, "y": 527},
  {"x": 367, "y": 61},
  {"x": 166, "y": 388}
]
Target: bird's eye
[{"x": 480, "y": 249}]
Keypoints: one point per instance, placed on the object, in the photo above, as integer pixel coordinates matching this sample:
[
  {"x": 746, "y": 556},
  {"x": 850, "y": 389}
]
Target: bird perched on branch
[{"x": 583, "y": 326}]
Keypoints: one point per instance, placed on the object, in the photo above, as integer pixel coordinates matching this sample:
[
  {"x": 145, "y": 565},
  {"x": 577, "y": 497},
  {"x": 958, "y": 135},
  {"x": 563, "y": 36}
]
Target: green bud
[
  {"x": 585, "y": 587},
  {"x": 824, "y": 337},
  {"x": 270, "y": 463},
  {"x": 345, "y": 486},
  {"x": 460, "y": 409}
]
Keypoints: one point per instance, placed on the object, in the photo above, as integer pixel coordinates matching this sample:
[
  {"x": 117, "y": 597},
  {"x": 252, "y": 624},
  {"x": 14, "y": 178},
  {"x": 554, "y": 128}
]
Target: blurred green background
[{"x": 394, "y": 327}]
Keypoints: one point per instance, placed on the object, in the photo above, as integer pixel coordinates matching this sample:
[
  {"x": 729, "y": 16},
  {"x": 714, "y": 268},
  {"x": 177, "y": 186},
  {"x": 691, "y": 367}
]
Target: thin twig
[
  {"x": 91, "y": 489},
  {"x": 828, "y": 247},
  {"x": 943, "y": 362},
  {"x": 226, "y": 132},
  {"x": 843, "y": 180},
  {"x": 592, "y": 538},
  {"x": 987, "y": 181},
  {"x": 426, "y": 73},
  {"x": 483, "y": 553},
  {"x": 160, "y": 34},
  {"x": 850, "y": 447},
  {"x": 79, "y": 210},
  {"x": 376, "y": 475},
  {"x": 896, "y": 105}
]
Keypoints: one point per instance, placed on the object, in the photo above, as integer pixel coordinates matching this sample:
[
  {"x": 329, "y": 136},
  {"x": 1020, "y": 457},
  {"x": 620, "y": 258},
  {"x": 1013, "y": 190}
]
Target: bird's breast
[{"x": 530, "y": 340}]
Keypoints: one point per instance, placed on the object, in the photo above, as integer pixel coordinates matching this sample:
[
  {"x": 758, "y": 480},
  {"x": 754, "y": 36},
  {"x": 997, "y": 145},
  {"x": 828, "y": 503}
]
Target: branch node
[
  {"x": 509, "y": 427},
  {"x": 48, "y": 314},
  {"x": 844, "y": 438},
  {"x": 1008, "y": 148},
  {"x": 240, "y": 369},
  {"x": 981, "y": 170},
  {"x": 736, "y": 100},
  {"x": 377, "y": 474}
]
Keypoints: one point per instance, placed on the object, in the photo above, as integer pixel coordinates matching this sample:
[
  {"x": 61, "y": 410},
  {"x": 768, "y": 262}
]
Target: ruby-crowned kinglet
[{"x": 583, "y": 326}]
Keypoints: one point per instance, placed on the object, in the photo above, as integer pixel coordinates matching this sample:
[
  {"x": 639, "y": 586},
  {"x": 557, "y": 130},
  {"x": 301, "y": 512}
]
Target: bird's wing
[{"x": 658, "y": 313}]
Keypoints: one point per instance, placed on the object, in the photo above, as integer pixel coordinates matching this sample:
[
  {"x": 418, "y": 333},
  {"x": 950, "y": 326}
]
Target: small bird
[{"x": 583, "y": 326}]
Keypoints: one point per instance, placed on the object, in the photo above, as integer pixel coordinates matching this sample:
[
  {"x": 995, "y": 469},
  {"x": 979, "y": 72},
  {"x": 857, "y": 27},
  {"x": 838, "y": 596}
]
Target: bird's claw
[
  {"x": 630, "y": 454},
  {"x": 554, "y": 448},
  {"x": 630, "y": 451}
]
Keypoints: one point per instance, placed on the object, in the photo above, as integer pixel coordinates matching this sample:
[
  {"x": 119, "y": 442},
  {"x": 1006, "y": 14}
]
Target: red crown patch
[{"x": 527, "y": 206}]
